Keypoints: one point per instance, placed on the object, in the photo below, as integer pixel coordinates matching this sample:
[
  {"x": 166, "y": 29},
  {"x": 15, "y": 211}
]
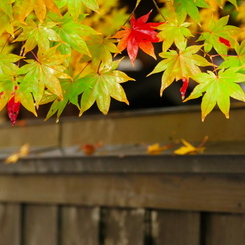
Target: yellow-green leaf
[
  {"x": 177, "y": 65},
  {"x": 217, "y": 89}
]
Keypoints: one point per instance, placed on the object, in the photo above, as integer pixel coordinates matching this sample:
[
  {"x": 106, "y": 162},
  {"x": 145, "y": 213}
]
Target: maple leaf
[
  {"x": 7, "y": 86},
  {"x": 217, "y": 89},
  {"x": 7, "y": 63},
  {"x": 101, "y": 48},
  {"x": 75, "y": 7},
  {"x": 13, "y": 108},
  {"x": 236, "y": 60},
  {"x": 6, "y": 17},
  {"x": 37, "y": 34},
  {"x": 177, "y": 65},
  {"x": 44, "y": 73},
  {"x": 73, "y": 33},
  {"x": 70, "y": 94},
  {"x": 23, "y": 152},
  {"x": 7, "y": 8},
  {"x": 22, "y": 9},
  {"x": 190, "y": 7},
  {"x": 174, "y": 30},
  {"x": 139, "y": 35},
  {"x": 98, "y": 86},
  {"x": 156, "y": 149},
  {"x": 219, "y": 35},
  {"x": 222, "y": 3},
  {"x": 189, "y": 148}
]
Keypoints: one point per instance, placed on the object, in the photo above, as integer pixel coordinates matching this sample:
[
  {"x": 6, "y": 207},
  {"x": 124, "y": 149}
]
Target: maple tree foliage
[{"x": 65, "y": 51}]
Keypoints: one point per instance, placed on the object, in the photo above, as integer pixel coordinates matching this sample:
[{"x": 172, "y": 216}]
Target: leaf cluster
[
  {"x": 62, "y": 52},
  {"x": 52, "y": 55}
]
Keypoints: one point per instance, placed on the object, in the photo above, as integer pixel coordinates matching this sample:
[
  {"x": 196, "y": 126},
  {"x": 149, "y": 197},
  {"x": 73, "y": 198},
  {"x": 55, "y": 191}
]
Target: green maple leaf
[
  {"x": 222, "y": 2},
  {"x": 236, "y": 60},
  {"x": 190, "y": 7},
  {"x": 7, "y": 85},
  {"x": 25, "y": 95},
  {"x": 59, "y": 105},
  {"x": 177, "y": 65},
  {"x": 37, "y": 34},
  {"x": 217, "y": 89},
  {"x": 7, "y": 63},
  {"x": 96, "y": 87},
  {"x": 219, "y": 29},
  {"x": 101, "y": 49},
  {"x": 174, "y": 31},
  {"x": 6, "y": 24},
  {"x": 75, "y": 7},
  {"x": 6, "y": 17},
  {"x": 44, "y": 73},
  {"x": 100, "y": 86},
  {"x": 73, "y": 33},
  {"x": 6, "y": 7}
]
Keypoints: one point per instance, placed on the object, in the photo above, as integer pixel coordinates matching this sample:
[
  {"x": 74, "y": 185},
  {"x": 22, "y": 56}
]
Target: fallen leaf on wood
[
  {"x": 89, "y": 149},
  {"x": 190, "y": 149},
  {"x": 156, "y": 149},
  {"x": 13, "y": 158}
]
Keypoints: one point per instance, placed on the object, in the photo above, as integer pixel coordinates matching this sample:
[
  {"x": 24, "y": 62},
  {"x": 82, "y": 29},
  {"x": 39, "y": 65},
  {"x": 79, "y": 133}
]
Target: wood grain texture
[
  {"x": 40, "y": 225},
  {"x": 80, "y": 225},
  {"x": 175, "y": 227},
  {"x": 225, "y": 229},
  {"x": 221, "y": 193},
  {"x": 123, "y": 226},
  {"x": 10, "y": 224}
]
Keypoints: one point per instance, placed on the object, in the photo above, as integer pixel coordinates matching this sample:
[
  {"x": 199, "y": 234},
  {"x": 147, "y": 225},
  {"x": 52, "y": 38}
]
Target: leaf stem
[
  {"x": 34, "y": 55},
  {"x": 159, "y": 10}
]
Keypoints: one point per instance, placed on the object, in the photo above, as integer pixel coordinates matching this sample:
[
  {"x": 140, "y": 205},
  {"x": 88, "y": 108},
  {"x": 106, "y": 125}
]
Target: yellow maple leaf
[
  {"x": 13, "y": 158},
  {"x": 156, "y": 149},
  {"x": 189, "y": 148}
]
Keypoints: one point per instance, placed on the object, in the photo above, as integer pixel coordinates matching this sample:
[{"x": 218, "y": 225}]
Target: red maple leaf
[
  {"x": 139, "y": 35},
  {"x": 13, "y": 108}
]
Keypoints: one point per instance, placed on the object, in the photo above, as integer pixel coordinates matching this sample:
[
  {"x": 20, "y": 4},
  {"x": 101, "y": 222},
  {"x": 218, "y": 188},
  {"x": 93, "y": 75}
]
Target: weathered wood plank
[
  {"x": 225, "y": 229},
  {"x": 79, "y": 225},
  {"x": 40, "y": 225},
  {"x": 175, "y": 227},
  {"x": 123, "y": 227},
  {"x": 179, "y": 122},
  {"x": 140, "y": 163},
  {"x": 10, "y": 224},
  {"x": 184, "y": 192}
]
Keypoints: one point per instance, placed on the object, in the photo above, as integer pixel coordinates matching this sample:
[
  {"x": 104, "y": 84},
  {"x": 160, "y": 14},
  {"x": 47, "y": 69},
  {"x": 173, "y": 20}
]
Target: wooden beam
[
  {"x": 129, "y": 164},
  {"x": 202, "y": 192}
]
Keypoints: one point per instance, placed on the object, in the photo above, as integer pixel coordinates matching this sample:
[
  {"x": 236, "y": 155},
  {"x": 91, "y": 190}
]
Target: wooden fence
[
  {"x": 131, "y": 200},
  {"x": 125, "y": 197}
]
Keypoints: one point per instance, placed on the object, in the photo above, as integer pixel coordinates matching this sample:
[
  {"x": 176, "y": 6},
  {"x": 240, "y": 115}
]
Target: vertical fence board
[
  {"x": 40, "y": 225},
  {"x": 175, "y": 227},
  {"x": 79, "y": 225},
  {"x": 123, "y": 226},
  {"x": 225, "y": 229},
  {"x": 10, "y": 224}
]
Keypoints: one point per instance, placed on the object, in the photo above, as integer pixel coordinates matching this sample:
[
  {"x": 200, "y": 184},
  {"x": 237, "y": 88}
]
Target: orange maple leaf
[{"x": 139, "y": 35}]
